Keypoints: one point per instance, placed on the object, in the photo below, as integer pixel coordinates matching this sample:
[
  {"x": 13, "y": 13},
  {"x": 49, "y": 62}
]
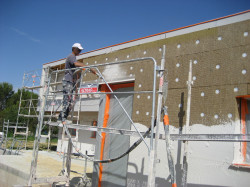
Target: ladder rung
[
  {"x": 32, "y": 87},
  {"x": 45, "y": 136},
  {"x": 18, "y": 127},
  {"x": 21, "y": 133}
]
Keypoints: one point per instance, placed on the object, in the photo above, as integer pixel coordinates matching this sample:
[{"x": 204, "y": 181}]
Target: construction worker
[{"x": 69, "y": 81}]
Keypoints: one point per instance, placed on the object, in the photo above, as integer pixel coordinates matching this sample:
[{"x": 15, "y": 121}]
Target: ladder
[
  {"x": 23, "y": 131},
  {"x": 5, "y": 138}
]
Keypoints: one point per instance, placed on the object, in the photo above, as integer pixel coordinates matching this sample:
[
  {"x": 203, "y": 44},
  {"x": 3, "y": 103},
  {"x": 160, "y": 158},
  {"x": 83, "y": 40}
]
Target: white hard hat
[{"x": 78, "y": 46}]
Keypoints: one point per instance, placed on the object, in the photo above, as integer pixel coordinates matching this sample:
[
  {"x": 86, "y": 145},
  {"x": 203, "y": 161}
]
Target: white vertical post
[
  {"x": 68, "y": 162},
  {"x": 153, "y": 153},
  {"x": 7, "y": 134},
  {"x": 185, "y": 156}
]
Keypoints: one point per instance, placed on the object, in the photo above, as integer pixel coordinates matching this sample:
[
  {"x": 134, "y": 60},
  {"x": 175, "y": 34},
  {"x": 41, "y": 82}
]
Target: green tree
[
  {"x": 10, "y": 112},
  {"x": 6, "y": 91}
]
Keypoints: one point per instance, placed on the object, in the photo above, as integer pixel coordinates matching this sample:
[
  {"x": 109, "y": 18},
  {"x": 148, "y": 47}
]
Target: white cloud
[{"x": 25, "y": 34}]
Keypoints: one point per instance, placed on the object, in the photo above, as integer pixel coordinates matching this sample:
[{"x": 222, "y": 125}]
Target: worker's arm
[{"x": 80, "y": 64}]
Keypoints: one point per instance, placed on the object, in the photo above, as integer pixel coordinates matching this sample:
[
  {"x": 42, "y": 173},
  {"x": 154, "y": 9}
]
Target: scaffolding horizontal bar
[
  {"x": 99, "y": 129},
  {"x": 174, "y": 137},
  {"x": 21, "y": 133},
  {"x": 107, "y": 93},
  {"x": 28, "y": 107},
  {"x": 29, "y": 100},
  {"x": 35, "y": 116},
  {"x": 211, "y": 137},
  {"x": 13, "y": 123},
  {"x": 50, "y": 180},
  {"x": 37, "y": 87},
  {"x": 32, "y": 87},
  {"x": 19, "y": 127}
]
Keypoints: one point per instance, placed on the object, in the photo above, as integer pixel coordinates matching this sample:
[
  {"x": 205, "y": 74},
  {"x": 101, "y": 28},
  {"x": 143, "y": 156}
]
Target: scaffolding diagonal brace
[{"x": 124, "y": 109}]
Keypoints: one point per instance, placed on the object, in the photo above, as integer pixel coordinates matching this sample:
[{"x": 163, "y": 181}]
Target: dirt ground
[{"x": 49, "y": 165}]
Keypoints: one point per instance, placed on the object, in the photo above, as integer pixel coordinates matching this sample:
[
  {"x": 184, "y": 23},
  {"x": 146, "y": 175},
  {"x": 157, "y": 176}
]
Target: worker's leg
[{"x": 67, "y": 98}]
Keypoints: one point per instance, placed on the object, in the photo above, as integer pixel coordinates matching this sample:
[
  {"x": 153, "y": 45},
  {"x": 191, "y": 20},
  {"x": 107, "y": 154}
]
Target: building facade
[{"x": 220, "y": 52}]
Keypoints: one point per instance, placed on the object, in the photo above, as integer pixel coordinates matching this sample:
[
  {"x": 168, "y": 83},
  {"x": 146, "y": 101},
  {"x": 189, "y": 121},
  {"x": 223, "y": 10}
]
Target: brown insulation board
[
  {"x": 233, "y": 35},
  {"x": 211, "y": 101},
  {"x": 220, "y": 62},
  {"x": 231, "y": 66}
]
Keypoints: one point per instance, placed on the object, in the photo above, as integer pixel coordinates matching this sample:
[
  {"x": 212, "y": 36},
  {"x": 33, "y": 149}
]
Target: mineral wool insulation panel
[{"x": 221, "y": 70}]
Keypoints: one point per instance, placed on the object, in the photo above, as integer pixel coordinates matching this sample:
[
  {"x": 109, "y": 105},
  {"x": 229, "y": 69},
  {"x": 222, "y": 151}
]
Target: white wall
[
  {"x": 209, "y": 163},
  {"x": 83, "y": 139}
]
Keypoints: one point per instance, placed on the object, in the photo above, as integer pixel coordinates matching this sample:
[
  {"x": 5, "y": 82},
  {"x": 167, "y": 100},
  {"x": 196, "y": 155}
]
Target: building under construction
[{"x": 170, "y": 109}]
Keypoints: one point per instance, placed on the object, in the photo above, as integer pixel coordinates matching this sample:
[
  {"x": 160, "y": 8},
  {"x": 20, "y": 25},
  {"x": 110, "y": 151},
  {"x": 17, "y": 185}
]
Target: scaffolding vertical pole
[
  {"x": 63, "y": 137},
  {"x": 54, "y": 95},
  {"x": 31, "y": 100},
  {"x": 169, "y": 153},
  {"x": 33, "y": 167},
  {"x": 20, "y": 100},
  {"x": 2, "y": 138},
  {"x": 27, "y": 133},
  {"x": 185, "y": 156},
  {"x": 74, "y": 100},
  {"x": 52, "y": 109},
  {"x": 68, "y": 162},
  {"x": 19, "y": 108},
  {"x": 63, "y": 164},
  {"x": 80, "y": 103},
  {"x": 6, "y": 137},
  {"x": 153, "y": 158},
  {"x": 151, "y": 181},
  {"x": 3, "y": 124},
  {"x": 49, "y": 137}
]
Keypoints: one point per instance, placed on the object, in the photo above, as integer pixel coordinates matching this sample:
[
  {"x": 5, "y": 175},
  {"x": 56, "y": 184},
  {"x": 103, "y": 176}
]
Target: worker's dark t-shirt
[{"x": 69, "y": 63}]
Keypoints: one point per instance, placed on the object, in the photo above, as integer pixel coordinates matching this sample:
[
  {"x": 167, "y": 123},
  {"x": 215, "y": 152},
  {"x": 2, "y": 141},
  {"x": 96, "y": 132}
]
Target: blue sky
[{"x": 34, "y": 32}]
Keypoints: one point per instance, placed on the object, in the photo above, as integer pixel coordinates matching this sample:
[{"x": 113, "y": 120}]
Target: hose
[{"x": 111, "y": 159}]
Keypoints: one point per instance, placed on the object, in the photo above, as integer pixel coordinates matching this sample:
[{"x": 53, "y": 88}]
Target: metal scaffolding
[
  {"x": 49, "y": 96},
  {"x": 49, "y": 106},
  {"x": 20, "y": 142},
  {"x": 29, "y": 108}
]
